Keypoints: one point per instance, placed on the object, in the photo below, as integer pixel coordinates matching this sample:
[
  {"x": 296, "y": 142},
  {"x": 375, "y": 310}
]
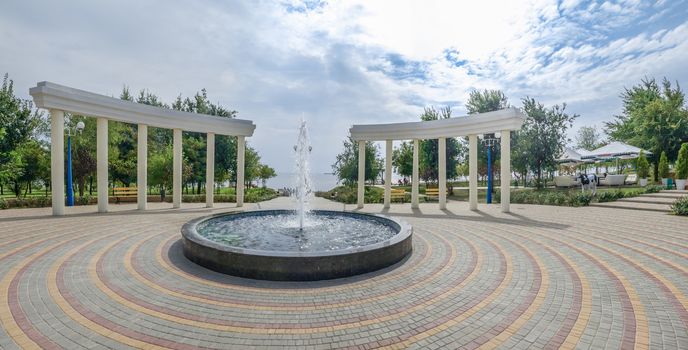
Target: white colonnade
[
  {"x": 501, "y": 121},
  {"x": 59, "y": 99}
]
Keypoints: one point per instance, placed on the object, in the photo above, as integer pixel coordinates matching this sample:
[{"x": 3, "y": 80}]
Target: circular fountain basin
[{"x": 269, "y": 245}]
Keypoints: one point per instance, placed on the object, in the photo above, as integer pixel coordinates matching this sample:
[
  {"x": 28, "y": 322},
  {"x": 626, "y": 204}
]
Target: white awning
[
  {"x": 615, "y": 149},
  {"x": 54, "y": 96}
]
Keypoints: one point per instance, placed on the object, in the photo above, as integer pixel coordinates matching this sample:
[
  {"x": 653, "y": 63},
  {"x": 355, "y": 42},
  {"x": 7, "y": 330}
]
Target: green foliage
[
  {"x": 654, "y": 118},
  {"x": 545, "y": 197},
  {"x": 680, "y": 206},
  {"x": 429, "y": 149},
  {"x": 402, "y": 159},
  {"x": 486, "y": 101},
  {"x": 265, "y": 172},
  {"x": 682, "y": 162},
  {"x": 643, "y": 166},
  {"x": 481, "y": 102},
  {"x": 588, "y": 138},
  {"x": 610, "y": 196},
  {"x": 663, "y": 166},
  {"x": 349, "y": 195},
  {"x": 345, "y": 166},
  {"x": 543, "y": 136}
]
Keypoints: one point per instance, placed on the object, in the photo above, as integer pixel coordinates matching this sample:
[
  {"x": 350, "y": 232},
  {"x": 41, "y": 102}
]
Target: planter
[
  {"x": 643, "y": 182},
  {"x": 665, "y": 181},
  {"x": 680, "y": 184}
]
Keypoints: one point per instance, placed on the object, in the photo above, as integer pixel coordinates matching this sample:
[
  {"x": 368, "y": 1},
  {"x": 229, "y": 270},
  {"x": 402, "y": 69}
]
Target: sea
[{"x": 321, "y": 181}]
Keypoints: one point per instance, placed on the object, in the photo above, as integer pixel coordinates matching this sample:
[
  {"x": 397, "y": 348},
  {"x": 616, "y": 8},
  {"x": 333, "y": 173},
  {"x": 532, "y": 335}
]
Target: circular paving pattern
[{"x": 542, "y": 277}]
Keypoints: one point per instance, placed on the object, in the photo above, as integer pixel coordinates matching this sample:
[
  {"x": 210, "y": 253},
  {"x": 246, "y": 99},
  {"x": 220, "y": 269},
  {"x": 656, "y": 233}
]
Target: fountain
[{"x": 299, "y": 244}]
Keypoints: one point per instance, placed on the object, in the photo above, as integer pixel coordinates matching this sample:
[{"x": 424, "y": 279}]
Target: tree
[
  {"x": 266, "y": 173},
  {"x": 20, "y": 123},
  {"x": 682, "y": 163},
  {"x": 482, "y": 102},
  {"x": 160, "y": 169},
  {"x": 402, "y": 159},
  {"x": 544, "y": 135},
  {"x": 653, "y": 118},
  {"x": 486, "y": 101},
  {"x": 643, "y": 166},
  {"x": 345, "y": 166},
  {"x": 588, "y": 138},
  {"x": 663, "y": 166},
  {"x": 429, "y": 149}
]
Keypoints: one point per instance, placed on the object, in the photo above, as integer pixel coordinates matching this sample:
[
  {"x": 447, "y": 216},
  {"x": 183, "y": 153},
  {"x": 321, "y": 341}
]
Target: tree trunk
[
  {"x": 17, "y": 190},
  {"x": 90, "y": 185},
  {"x": 2, "y": 190},
  {"x": 28, "y": 185},
  {"x": 198, "y": 188}
]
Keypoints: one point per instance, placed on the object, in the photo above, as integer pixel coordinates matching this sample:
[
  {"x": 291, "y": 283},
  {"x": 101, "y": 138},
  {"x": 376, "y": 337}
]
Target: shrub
[
  {"x": 3, "y": 204},
  {"x": 680, "y": 206},
  {"x": 349, "y": 194},
  {"x": 653, "y": 189},
  {"x": 610, "y": 196},
  {"x": 643, "y": 166},
  {"x": 663, "y": 166},
  {"x": 580, "y": 199},
  {"x": 682, "y": 162}
]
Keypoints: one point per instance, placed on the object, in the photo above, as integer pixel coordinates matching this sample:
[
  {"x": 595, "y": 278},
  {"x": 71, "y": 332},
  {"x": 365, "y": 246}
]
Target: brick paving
[{"x": 539, "y": 277}]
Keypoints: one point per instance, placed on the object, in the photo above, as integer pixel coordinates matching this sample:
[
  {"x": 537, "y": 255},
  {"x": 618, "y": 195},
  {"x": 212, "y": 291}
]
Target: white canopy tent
[{"x": 615, "y": 149}]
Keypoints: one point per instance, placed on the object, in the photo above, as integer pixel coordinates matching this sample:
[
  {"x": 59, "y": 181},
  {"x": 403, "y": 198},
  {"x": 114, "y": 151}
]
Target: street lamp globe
[{"x": 80, "y": 126}]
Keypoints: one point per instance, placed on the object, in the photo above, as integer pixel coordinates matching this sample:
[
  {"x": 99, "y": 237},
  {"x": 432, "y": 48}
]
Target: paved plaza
[{"x": 539, "y": 277}]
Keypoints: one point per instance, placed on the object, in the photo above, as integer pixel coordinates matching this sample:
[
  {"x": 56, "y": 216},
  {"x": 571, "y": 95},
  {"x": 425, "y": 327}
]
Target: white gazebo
[
  {"x": 59, "y": 99},
  {"x": 501, "y": 121}
]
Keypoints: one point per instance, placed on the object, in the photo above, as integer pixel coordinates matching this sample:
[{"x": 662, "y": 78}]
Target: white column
[
  {"x": 57, "y": 176},
  {"x": 142, "y": 166},
  {"x": 505, "y": 176},
  {"x": 209, "y": 170},
  {"x": 414, "y": 176},
  {"x": 177, "y": 168},
  {"x": 102, "y": 164},
  {"x": 388, "y": 173},
  {"x": 473, "y": 172},
  {"x": 361, "y": 174},
  {"x": 241, "y": 151},
  {"x": 442, "y": 160}
]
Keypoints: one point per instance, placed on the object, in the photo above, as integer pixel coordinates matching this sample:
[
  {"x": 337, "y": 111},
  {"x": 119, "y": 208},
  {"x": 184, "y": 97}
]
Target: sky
[{"x": 341, "y": 63}]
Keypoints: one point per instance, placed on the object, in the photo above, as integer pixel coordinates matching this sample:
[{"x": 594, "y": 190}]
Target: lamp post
[
  {"x": 70, "y": 190},
  {"x": 489, "y": 140}
]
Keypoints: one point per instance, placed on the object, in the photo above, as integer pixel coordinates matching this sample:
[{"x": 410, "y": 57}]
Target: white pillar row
[
  {"x": 142, "y": 166},
  {"x": 177, "y": 168},
  {"x": 505, "y": 176},
  {"x": 473, "y": 172},
  {"x": 57, "y": 176},
  {"x": 361, "y": 174},
  {"x": 388, "y": 173},
  {"x": 414, "y": 176},
  {"x": 241, "y": 151},
  {"x": 102, "y": 164},
  {"x": 210, "y": 170},
  {"x": 442, "y": 160}
]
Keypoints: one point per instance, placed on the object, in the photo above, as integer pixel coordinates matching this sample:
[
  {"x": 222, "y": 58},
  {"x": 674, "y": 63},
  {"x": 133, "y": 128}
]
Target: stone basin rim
[{"x": 404, "y": 230}]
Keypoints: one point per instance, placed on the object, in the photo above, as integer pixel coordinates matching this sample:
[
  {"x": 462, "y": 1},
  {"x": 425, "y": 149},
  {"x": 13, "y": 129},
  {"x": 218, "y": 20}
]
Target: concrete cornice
[
  {"x": 54, "y": 96},
  {"x": 475, "y": 124}
]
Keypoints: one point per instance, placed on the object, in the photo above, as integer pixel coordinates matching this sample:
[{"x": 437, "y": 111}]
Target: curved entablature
[
  {"x": 54, "y": 96},
  {"x": 476, "y": 124}
]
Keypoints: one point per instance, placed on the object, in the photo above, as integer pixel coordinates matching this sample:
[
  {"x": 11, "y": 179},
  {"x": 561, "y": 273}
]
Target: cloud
[{"x": 341, "y": 63}]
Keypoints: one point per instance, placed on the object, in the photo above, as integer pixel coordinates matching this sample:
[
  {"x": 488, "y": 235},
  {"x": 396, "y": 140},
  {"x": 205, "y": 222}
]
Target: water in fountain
[{"x": 303, "y": 191}]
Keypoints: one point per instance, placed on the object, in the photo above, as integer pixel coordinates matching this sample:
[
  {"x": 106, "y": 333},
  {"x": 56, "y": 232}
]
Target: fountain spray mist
[{"x": 303, "y": 181}]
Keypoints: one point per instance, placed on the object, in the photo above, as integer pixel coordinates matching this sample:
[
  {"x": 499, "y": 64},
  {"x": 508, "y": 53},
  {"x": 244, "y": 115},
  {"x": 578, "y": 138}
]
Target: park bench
[
  {"x": 433, "y": 193},
  {"x": 125, "y": 194},
  {"x": 398, "y": 195}
]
